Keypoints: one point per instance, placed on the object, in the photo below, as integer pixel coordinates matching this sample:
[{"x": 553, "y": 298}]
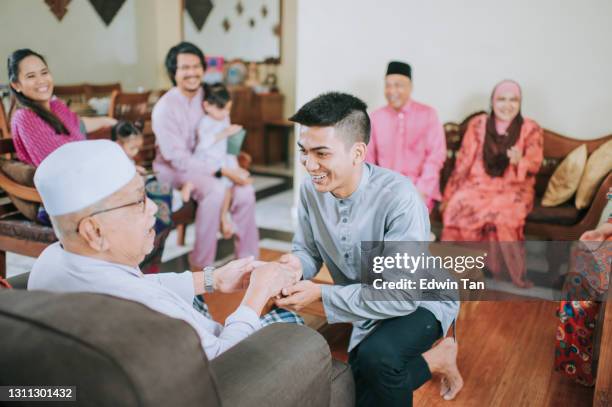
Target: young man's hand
[{"x": 299, "y": 295}]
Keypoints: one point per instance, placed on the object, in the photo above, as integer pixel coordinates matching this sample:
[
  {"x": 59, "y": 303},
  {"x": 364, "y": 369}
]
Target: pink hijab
[
  {"x": 500, "y": 135},
  {"x": 505, "y": 86}
]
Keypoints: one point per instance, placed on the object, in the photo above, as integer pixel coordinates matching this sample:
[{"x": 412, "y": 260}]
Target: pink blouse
[{"x": 35, "y": 139}]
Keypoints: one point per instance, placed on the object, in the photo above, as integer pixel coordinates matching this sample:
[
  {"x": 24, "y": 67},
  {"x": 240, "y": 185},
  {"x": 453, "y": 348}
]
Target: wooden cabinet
[{"x": 252, "y": 110}]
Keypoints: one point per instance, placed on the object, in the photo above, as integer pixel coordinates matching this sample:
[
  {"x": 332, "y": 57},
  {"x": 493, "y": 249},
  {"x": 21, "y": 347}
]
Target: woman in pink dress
[
  {"x": 40, "y": 123},
  {"x": 491, "y": 190}
]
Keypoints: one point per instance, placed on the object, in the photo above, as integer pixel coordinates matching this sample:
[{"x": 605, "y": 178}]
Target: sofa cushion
[
  {"x": 116, "y": 352},
  {"x": 22, "y": 174},
  {"x": 288, "y": 365},
  {"x": 343, "y": 385},
  {"x": 597, "y": 168},
  {"x": 565, "y": 214},
  {"x": 565, "y": 180}
]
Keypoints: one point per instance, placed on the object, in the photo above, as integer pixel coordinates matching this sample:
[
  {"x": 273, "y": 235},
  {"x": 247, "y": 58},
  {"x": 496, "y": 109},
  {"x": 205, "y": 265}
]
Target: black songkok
[{"x": 400, "y": 68}]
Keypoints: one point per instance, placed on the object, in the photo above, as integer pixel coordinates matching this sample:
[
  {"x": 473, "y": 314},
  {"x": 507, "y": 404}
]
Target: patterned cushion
[
  {"x": 597, "y": 168},
  {"x": 564, "y": 182}
]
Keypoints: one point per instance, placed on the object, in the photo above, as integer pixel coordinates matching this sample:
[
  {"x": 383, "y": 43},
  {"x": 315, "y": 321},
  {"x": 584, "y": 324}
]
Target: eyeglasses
[
  {"x": 142, "y": 201},
  {"x": 188, "y": 67}
]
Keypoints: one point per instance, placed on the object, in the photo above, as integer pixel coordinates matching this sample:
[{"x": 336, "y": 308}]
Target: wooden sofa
[
  {"x": 563, "y": 222},
  {"x": 82, "y": 92},
  {"x": 18, "y": 234}
]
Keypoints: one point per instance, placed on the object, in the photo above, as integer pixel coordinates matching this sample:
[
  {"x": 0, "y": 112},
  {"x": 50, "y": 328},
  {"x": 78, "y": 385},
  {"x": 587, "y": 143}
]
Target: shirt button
[
  {"x": 343, "y": 238},
  {"x": 341, "y": 201},
  {"x": 344, "y": 220},
  {"x": 346, "y": 255}
]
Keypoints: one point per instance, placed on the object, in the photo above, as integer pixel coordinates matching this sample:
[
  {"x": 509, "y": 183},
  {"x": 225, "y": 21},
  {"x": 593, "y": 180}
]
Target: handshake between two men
[{"x": 279, "y": 280}]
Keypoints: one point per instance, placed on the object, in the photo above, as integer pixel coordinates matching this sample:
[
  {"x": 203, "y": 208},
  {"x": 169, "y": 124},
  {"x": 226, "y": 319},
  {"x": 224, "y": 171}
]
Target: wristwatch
[
  {"x": 218, "y": 174},
  {"x": 209, "y": 279}
]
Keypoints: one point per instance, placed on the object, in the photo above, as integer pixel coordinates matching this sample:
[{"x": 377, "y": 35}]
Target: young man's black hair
[
  {"x": 182, "y": 48},
  {"x": 345, "y": 112}
]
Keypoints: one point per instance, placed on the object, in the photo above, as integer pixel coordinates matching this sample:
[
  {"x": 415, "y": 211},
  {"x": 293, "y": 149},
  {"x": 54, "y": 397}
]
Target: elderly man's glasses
[{"x": 142, "y": 201}]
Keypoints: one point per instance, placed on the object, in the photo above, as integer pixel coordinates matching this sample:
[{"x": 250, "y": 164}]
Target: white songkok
[{"x": 81, "y": 173}]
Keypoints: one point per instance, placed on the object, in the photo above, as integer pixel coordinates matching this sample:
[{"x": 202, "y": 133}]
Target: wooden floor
[
  {"x": 506, "y": 351},
  {"x": 506, "y": 354}
]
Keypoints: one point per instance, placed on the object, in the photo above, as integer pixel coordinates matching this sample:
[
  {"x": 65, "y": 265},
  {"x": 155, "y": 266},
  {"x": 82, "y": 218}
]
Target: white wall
[
  {"x": 168, "y": 32},
  {"x": 241, "y": 40},
  {"x": 80, "y": 48},
  {"x": 287, "y": 68},
  {"x": 558, "y": 50}
]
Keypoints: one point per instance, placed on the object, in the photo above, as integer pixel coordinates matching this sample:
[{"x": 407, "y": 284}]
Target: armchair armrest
[
  {"x": 281, "y": 365},
  {"x": 20, "y": 191},
  {"x": 20, "y": 281}
]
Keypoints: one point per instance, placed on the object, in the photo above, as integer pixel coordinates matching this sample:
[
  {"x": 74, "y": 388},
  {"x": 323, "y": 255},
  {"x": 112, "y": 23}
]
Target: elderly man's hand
[
  {"x": 231, "y": 277},
  {"x": 293, "y": 262},
  {"x": 299, "y": 295},
  {"x": 272, "y": 278}
]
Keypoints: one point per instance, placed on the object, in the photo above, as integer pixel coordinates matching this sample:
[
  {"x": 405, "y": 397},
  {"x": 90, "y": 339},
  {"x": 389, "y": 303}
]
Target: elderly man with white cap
[{"x": 104, "y": 222}]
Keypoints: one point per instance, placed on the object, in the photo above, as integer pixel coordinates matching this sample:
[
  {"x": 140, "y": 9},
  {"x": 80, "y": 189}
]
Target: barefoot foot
[
  {"x": 442, "y": 360},
  {"x": 523, "y": 283}
]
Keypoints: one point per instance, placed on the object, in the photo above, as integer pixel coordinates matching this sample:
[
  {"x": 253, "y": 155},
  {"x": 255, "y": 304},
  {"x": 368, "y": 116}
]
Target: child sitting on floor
[{"x": 213, "y": 131}]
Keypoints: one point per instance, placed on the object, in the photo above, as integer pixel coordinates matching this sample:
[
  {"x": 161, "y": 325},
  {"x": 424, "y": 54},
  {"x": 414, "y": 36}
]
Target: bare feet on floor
[
  {"x": 442, "y": 360},
  {"x": 523, "y": 283}
]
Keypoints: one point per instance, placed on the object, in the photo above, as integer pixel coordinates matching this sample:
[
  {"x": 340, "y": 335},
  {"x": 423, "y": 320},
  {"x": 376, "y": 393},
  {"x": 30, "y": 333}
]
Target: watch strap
[{"x": 209, "y": 279}]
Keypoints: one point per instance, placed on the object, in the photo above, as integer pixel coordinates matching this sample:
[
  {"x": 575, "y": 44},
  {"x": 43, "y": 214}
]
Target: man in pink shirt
[
  {"x": 407, "y": 136},
  {"x": 175, "y": 119}
]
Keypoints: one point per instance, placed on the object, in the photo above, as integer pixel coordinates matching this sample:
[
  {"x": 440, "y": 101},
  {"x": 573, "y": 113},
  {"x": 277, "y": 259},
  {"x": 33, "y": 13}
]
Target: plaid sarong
[
  {"x": 200, "y": 306},
  {"x": 281, "y": 315},
  {"x": 276, "y": 315}
]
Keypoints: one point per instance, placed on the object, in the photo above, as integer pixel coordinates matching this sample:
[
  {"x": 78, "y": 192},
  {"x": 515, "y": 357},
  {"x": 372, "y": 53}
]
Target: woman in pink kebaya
[{"x": 491, "y": 190}]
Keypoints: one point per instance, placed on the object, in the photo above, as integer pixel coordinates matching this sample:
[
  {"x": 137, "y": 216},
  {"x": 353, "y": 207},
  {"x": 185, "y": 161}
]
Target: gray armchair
[{"x": 118, "y": 352}]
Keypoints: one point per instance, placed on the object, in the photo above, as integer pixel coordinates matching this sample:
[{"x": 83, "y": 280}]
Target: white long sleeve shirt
[{"x": 171, "y": 294}]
